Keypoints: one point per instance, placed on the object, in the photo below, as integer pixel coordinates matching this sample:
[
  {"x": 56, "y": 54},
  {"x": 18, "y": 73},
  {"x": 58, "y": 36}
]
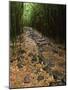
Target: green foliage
[
  {"x": 27, "y": 14},
  {"x": 16, "y": 11},
  {"x": 46, "y": 18}
]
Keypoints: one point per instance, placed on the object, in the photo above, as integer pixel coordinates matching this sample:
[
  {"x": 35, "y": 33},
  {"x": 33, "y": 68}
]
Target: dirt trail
[{"x": 36, "y": 61}]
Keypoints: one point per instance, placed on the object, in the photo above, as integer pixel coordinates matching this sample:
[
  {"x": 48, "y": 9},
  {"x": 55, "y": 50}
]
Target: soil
[{"x": 36, "y": 61}]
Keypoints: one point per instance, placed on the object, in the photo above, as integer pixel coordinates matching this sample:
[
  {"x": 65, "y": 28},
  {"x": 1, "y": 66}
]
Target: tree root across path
[{"x": 36, "y": 61}]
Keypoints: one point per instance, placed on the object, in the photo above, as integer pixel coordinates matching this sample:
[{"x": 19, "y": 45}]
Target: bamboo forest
[{"x": 37, "y": 44}]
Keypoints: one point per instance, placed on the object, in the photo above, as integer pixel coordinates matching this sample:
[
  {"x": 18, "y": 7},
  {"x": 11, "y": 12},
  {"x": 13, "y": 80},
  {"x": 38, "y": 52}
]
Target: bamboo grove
[{"x": 49, "y": 19}]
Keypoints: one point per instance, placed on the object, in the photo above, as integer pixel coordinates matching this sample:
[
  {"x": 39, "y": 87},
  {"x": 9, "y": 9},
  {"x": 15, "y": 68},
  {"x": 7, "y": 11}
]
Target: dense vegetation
[
  {"x": 48, "y": 19},
  {"x": 36, "y": 59},
  {"x": 16, "y": 25}
]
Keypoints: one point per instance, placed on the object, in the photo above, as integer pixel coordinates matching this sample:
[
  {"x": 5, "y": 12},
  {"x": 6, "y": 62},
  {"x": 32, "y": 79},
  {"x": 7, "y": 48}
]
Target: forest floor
[{"x": 36, "y": 61}]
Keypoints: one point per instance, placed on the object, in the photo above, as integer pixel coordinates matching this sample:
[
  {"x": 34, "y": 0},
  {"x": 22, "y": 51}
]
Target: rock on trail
[{"x": 36, "y": 61}]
